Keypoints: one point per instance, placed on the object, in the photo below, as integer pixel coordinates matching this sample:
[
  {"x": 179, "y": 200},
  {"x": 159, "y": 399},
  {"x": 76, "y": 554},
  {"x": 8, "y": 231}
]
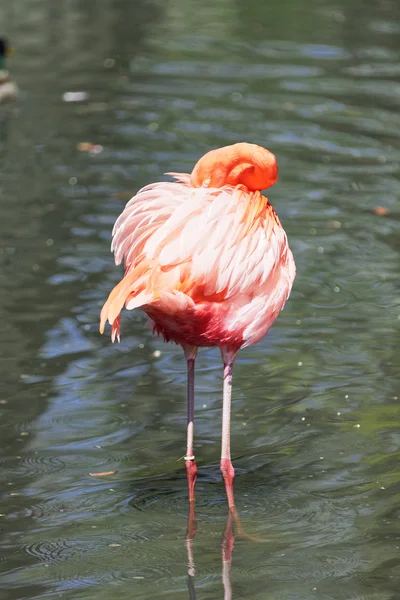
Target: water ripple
[{"x": 52, "y": 552}]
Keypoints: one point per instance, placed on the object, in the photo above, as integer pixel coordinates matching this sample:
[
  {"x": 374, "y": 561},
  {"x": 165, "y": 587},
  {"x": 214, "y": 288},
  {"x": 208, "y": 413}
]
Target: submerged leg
[
  {"x": 227, "y": 547},
  {"x": 191, "y": 468},
  {"x": 228, "y": 473}
]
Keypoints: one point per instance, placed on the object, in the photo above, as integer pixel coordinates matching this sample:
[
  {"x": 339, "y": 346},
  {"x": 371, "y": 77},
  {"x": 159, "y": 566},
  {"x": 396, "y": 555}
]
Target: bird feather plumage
[{"x": 184, "y": 246}]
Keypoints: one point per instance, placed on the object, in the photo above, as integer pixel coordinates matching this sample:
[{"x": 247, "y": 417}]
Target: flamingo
[{"x": 207, "y": 259}]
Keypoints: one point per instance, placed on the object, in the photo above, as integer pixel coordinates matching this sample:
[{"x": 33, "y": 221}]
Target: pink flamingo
[{"x": 208, "y": 261}]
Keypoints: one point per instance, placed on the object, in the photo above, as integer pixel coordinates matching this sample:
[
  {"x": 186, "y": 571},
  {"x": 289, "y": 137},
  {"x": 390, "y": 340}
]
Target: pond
[{"x": 315, "y": 415}]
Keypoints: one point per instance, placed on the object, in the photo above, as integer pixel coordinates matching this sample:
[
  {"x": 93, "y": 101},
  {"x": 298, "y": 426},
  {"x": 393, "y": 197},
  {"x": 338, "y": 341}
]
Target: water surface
[{"x": 315, "y": 419}]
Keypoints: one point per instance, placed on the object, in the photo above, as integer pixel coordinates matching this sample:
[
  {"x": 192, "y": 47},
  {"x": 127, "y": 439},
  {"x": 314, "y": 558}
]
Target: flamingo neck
[{"x": 245, "y": 164}]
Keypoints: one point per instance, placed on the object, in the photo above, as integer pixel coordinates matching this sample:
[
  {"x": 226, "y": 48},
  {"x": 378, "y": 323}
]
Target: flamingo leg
[
  {"x": 191, "y": 468},
  {"x": 190, "y": 535},
  {"x": 227, "y": 470},
  {"x": 227, "y": 547}
]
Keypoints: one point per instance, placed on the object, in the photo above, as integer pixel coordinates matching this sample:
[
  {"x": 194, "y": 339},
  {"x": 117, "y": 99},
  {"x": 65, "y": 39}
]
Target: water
[{"x": 315, "y": 419}]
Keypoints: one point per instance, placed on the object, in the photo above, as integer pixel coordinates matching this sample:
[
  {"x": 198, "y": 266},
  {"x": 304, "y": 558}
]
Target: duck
[{"x": 8, "y": 87}]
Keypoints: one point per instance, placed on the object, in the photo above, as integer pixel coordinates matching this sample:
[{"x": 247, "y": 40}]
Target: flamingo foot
[{"x": 240, "y": 531}]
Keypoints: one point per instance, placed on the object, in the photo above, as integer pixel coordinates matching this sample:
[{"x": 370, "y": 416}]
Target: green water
[{"x": 315, "y": 418}]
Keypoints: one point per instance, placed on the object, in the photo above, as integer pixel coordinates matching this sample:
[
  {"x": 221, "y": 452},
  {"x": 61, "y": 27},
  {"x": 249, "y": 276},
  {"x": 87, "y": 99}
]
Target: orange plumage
[{"x": 211, "y": 256}]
